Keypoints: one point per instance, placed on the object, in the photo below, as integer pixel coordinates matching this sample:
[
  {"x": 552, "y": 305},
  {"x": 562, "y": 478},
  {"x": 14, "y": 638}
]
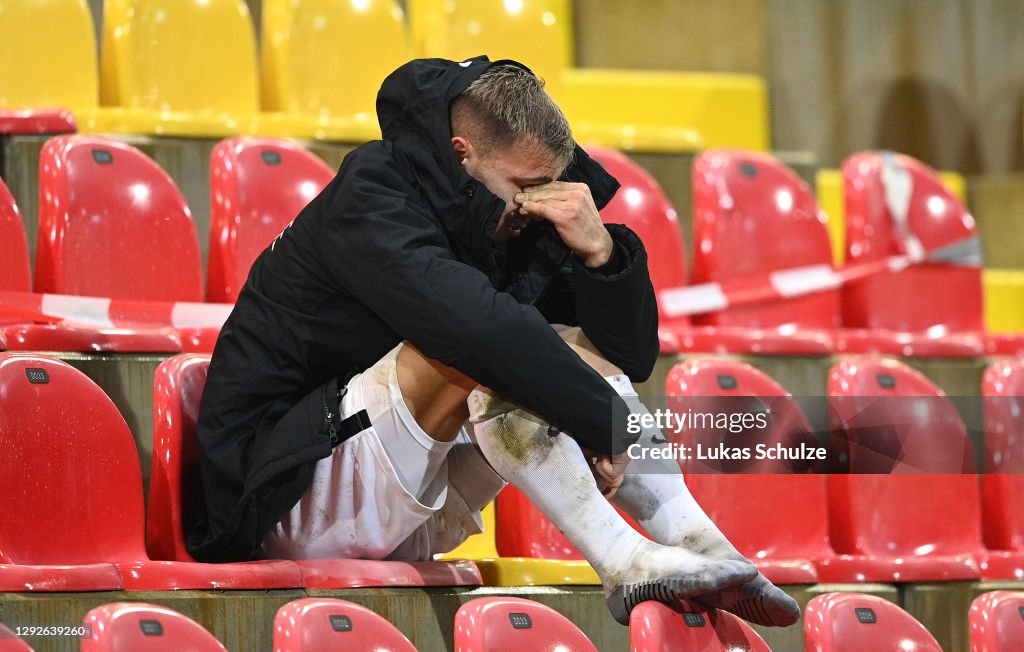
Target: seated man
[{"x": 332, "y": 420}]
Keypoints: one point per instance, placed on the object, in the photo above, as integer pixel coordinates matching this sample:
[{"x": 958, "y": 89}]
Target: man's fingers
[
  {"x": 549, "y": 210},
  {"x": 555, "y": 190}
]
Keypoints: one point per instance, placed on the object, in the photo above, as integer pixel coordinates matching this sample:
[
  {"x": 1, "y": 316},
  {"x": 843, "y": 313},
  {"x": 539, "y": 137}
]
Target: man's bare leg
[
  {"x": 436, "y": 395},
  {"x": 658, "y": 498}
]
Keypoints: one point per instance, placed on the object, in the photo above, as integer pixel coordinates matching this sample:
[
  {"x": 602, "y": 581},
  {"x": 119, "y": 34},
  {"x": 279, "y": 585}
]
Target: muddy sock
[
  {"x": 552, "y": 472},
  {"x": 653, "y": 492}
]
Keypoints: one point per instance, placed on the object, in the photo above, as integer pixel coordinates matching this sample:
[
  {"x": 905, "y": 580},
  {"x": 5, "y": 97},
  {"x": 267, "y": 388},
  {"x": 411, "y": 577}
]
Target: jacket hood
[{"x": 414, "y": 111}]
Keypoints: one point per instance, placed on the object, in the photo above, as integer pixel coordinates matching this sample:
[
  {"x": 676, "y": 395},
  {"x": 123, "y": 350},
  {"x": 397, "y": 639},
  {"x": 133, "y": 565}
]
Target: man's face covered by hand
[
  {"x": 509, "y": 171},
  {"x": 524, "y": 175}
]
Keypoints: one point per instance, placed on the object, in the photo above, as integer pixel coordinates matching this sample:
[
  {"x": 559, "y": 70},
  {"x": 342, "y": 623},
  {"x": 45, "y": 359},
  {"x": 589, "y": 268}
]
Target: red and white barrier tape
[
  {"x": 100, "y": 312},
  {"x": 708, "y": 297},
  {"x": 783, "y": 284}
]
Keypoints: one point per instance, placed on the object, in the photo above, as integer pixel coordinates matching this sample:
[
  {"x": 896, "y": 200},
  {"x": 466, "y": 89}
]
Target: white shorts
[{"x": 357, "y": 507}]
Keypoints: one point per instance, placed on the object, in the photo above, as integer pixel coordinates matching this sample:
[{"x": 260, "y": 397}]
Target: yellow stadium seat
[
  {"x": 323, "y": 61},
  {"x": 630, "y": 110},
  {"x": 1004, "y": 300},
  {"x": 518, "y": 571},
  {"x": 179, "y": 67},
  {"x": 49, "y": 55}
]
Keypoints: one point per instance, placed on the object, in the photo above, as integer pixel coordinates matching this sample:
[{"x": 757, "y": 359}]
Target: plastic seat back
[
  {"x": 189, "y": 56},
  {"x": 323, "y": 624},
  {"x": 909, "y": 464},
  {"x": 797, "y": 526},
  {"x": 754, "y": 216},
  {"x": 70, "y": 483},
  {"x": 996, "y": 621},
  {"x": 129, "y": 626},
  {"x": 642, "y": 205},
  {"x": 501, "y": 624},
  {"x": 51, "y": 55},
  {"x": 854, "y": 622},
  {"x": 657, "y": 627},
  {"x": 15, "y": 269},
  {"x": 329, "y": 58},
  {"x": 9, "y": 641},
  {"x": 1002, "y": 485},
  {"x": 177, "y": 389},
  {"x": 537, "y": 33},
  {"x": 890, "y": 198},
  {"x": 258, "y": 186},
  {"x": 113, "y": 224}
]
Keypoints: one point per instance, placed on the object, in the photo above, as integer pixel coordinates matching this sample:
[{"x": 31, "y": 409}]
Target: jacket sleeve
[
  {"x": 391, "y": 254},
  {"x": 614, "y": 304}
]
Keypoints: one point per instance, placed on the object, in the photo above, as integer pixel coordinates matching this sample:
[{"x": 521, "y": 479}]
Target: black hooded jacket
[{"x": 399, "y": 246}]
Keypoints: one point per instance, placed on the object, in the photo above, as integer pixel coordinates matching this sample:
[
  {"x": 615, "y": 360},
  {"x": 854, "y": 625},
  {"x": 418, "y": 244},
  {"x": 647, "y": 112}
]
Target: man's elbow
[{"x": 640, "y": 365}]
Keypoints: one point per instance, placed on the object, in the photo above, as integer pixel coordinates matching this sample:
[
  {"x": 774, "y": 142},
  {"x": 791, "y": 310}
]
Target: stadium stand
[
  {"x": 75, "y": 502},
  {"x": 742, "y": 201},
  {"x": 907, "y": 465},
  {"x": 10, "y": 642},
  {"x": 997, "y": 621},
  {"x": 257, "y": 187},
  {"x": 1002, "y": 482},
  {"x": 182, "y": 67},
  {"x": 322, "y": 63},
  {"x": 659, "y": 111},
  {"x": 785, "y": 541},
  {"x": 53, "y": 79},
  {"x": 325, "y": 624},
  {"x": 853, "y": 622},
  {"x": 506, "y": 623},
  {"x": 656, "y": 627},
  {"x": 15, "y": 272},
  {"x": 896, "y": 205},
  {"x": 124, "y": 626},
  {"x": 18, "y": 330},
  {"x": 112, "y": 224}
]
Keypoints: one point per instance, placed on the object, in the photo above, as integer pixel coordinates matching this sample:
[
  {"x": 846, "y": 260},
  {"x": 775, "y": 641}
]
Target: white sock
[
  {"x": 655, "y": 494},
  {"x": 551, "y": 470}
]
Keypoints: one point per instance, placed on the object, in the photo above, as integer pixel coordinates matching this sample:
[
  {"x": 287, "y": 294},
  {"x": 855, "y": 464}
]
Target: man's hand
[
  {"x": 571, "y": 209},
  {"x": 607, "y": 470}
]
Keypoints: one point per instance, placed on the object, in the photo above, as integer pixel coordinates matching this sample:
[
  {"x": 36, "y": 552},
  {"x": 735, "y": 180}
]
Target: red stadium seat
[
  {"x": 15, "y": 272},
  {"x": 914, "y": 301},
  {"x": 76, "y": 499},
  {"x": 113, "y": 224},
  {"x": 174, "y": 480},
  {"x": 325, "y": 624},
  {"x": 786, "y": 540},
  {"x": 997, "y": 621},
  {"x": 657, "y": 627},
  {"x": 257, "y": 186},
  {"x": 1002, "y": 483},
  {"x": 753, "y": 216},
  {"x": 501, "y": 624},
  {"x": 855, "y": 622},
  {"x": 129, "y": 626},
  {"x": 9, "y": 641},
  {"x": 36, "y": 121},
  {"x": 907, "y": 465},
  {"x": 641, "y": 205}
]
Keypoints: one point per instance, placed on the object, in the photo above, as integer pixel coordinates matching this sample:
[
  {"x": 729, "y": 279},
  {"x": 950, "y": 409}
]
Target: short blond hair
[{"x": 507, "y": 102}]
